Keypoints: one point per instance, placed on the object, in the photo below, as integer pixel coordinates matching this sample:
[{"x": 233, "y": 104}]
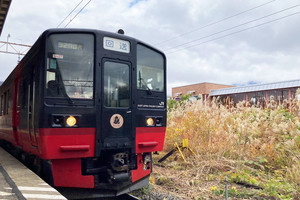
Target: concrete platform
[{"x": 18, "y": 182}]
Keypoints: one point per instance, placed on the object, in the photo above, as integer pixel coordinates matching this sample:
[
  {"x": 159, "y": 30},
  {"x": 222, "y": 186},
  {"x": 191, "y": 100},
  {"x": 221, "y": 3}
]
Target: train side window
[
  {"x": 5, "y": 103},
  {"x": 23, "y": 94},
  {"x": 1, "y": 106}
]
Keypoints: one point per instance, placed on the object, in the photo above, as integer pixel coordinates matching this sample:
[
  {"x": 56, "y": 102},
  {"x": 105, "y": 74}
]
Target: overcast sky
[{"x": 234, "y": 42}]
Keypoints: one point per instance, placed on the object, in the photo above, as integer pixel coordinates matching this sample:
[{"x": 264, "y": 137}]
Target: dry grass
[{"x": 251, "y": 146}]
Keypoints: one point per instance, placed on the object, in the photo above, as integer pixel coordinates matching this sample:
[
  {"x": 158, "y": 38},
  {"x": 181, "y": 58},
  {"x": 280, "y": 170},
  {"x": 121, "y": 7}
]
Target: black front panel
[
  {"x": 85, "y": 76},
  {"x": 151, "y": 86}
]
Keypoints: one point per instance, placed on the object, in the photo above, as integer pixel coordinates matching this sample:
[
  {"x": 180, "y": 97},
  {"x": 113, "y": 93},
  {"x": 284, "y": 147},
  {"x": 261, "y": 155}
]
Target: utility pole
[
  {"x": 11, "y": 48},
  {"x": 8, "y": 36}
]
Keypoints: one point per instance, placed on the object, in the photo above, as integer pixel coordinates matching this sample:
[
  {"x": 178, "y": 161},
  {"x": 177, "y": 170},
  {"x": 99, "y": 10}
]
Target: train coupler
[{"x": 119, "y": 177}]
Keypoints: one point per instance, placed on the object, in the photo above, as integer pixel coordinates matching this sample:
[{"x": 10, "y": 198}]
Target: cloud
[{"x": 267, "y": 53}]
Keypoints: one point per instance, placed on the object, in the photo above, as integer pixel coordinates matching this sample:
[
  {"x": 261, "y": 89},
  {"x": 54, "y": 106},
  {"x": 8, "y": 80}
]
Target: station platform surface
[{"x": 17, "y": 182}]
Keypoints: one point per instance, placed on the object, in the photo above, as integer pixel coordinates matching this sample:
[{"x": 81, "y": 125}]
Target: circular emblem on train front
[{"x": 116, "y": 121}]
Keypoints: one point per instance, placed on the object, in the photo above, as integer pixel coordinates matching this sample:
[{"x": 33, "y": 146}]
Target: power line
[
  {"x": 78, "y": 13},
  {"x": 213, "y": 23},
  {"x": 69, "y": 13},
  {"x": 228, "y": 29},
  {"x": 233, "y": 33}
]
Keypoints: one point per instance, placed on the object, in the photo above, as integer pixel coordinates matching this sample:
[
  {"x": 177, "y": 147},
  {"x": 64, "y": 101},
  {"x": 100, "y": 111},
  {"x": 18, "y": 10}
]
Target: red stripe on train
[
  {"x": 61, "y": 143},
  {"x": 148, "y": 139}
]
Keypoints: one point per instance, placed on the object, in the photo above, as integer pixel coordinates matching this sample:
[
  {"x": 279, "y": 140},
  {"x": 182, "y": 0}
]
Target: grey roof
[{"x": 254, "y": 88}]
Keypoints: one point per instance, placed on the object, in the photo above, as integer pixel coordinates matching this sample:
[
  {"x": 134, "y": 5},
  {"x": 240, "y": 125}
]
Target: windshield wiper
[
  {"x": 61, "y": 86},
  {"x": 70, "y": 101},
  {"x": 143, "y": 82},
  {"x": 63, "y": 89}
]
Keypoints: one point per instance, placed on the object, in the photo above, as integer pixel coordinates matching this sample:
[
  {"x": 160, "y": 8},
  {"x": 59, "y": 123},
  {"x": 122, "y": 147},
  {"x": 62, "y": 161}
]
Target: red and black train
[{"x": 88, "y": 108}]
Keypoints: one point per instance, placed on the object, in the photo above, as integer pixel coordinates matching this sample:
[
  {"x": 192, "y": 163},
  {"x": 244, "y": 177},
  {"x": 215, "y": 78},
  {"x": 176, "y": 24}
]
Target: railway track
[
  {"x": 121, "y": 197},
  {"x": 90, "y": 194},
  {"x": 128, "y": 197}
]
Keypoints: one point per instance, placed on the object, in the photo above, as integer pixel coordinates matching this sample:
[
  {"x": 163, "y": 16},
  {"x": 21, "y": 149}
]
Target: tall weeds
[{"x": 266, "y": 140}]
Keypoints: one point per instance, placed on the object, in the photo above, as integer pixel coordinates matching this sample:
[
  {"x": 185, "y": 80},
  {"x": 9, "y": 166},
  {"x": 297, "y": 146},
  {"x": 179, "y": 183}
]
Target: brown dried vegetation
[{"x": 258, "y": 150}]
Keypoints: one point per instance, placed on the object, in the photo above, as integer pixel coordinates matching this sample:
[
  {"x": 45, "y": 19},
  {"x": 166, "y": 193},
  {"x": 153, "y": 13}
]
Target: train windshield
[
  {"x": 70, "y": 66},
  {"x": 116, "y": 85},
  {"x": 150, "y": 69}
]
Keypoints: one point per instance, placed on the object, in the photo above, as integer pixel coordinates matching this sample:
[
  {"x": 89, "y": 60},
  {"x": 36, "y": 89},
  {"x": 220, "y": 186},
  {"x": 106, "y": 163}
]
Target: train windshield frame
[
  {"x": 70, "y": 66},
  {"x": 150, "y": 69}
]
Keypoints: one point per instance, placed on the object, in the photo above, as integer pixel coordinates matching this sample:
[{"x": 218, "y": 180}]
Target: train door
[
  {"x": 16, "y": 109},
  {"x": 31, "y": 106},
  {"x": 116, "y": 115}
]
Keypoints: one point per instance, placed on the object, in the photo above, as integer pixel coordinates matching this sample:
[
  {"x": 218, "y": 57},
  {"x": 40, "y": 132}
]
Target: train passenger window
[
  {"x": 70, "y": 66},
  {"x": 4, "y": 104},
  {"x": 7, "y": 102},
  {"x": 1, "y": 105},
  {"x": 23, "y": 94},
  {"x": 150, "y": 69},
  {"x": 116, "y": 85}
]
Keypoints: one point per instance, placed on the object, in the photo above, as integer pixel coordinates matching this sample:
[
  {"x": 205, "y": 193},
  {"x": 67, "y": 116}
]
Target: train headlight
[
  {"x": 158, "y": 121},
  {"x": 71, "y": 121},
  {"x": 154, "y": 121},
  {"x": 150, "y": 121},
  {"x": 57, "y": 121}
]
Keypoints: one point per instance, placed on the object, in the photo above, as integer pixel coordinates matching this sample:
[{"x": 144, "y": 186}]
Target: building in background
[
  {"x": 259, "y": 95},
  {"x": 199, "y": 90}
]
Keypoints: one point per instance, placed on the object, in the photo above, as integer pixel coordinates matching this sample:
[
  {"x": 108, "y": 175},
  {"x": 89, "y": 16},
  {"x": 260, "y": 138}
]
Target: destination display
[
  {"x": 68, "y": 45},
  {"x": 114, "y": 44}
]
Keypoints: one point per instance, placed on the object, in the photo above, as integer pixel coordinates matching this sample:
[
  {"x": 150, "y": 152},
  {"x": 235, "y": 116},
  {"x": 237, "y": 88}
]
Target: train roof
[{"x": 96, "y": 31}]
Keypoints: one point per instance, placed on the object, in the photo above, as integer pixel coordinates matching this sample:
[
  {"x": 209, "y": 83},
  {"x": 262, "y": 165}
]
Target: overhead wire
[
  {"x": 236, "y": 32},
  {"x": 70, "y": 13},
  {"x": 213, "y": 23},
  {"x": 234, "y": 27},
  {"x": 78, "y": 13}
]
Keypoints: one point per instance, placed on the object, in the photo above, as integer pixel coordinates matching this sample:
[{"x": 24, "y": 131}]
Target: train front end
[{"x": 104, "y": 109}]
